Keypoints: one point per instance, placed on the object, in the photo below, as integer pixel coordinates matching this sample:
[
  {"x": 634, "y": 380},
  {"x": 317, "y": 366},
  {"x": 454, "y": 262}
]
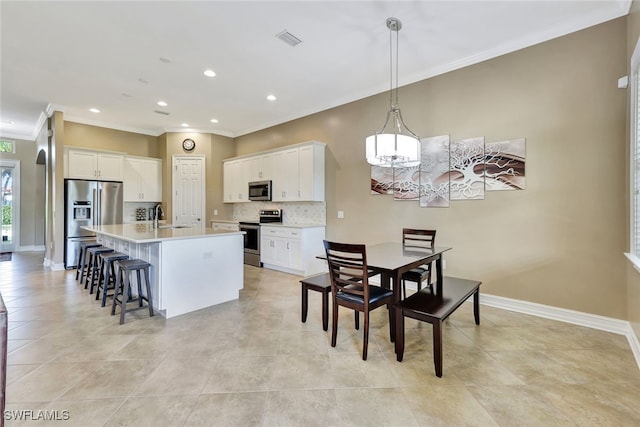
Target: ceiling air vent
[
  {"x": 288, "y": 38},
  {"x": 166, "y": 113}
]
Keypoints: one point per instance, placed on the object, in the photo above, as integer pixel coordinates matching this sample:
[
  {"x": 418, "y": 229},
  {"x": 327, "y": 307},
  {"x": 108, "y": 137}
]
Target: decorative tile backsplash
[{"x": 292, "y": 213}]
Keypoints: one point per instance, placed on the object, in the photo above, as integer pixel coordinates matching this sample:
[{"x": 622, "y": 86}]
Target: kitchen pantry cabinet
[
  {"x": 142, "y": 179},
  {"x": 96, "y": 165},
  {"x": 296, "y": 172},
  {"x": 292, "y": 249}
]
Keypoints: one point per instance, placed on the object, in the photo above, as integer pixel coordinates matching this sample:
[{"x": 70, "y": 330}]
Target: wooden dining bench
[{"x": 434, "y": 309}]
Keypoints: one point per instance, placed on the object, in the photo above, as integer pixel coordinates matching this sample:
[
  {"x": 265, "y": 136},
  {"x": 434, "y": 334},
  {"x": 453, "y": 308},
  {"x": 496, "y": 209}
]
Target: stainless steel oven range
[{"x": 252, "y": 234}]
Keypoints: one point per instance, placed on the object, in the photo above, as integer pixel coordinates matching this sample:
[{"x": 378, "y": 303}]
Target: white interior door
[{"x": 189, "y": 190}]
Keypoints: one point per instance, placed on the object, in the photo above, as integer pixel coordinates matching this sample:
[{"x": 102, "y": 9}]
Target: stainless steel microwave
[{"x": 260, "y": 190}]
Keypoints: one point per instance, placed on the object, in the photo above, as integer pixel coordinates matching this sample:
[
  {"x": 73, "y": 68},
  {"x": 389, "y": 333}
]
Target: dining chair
[
  {"x": 418, "y": 239},
  {"x": 350, "y": 287}
]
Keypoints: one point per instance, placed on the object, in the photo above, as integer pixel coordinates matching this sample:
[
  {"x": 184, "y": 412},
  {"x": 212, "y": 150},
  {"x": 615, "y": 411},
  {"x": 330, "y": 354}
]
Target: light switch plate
[{"x": 340, "y": 214}]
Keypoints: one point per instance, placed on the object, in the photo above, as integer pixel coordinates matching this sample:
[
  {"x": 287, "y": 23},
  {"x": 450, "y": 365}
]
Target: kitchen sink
[{"x": 174, "y": 226}]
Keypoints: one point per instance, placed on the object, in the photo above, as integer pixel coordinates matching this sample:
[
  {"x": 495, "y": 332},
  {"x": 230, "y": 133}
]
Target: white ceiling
[{"x": 71, "y": 56}]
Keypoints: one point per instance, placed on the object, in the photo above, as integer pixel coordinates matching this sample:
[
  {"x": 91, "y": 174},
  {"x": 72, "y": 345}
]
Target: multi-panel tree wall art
[{"x": 458, "y": 170}]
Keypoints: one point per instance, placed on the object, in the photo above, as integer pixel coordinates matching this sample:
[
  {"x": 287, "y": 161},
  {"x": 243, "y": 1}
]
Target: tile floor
[{"x": 252, "y": 362}]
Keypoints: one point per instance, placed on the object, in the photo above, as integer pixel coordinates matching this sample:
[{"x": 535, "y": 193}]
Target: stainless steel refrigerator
[{"x": 88, "y": 203}]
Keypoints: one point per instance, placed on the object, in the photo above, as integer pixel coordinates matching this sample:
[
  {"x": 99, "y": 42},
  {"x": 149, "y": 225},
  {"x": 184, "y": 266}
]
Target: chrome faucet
[{"x": 157, "y": 212}]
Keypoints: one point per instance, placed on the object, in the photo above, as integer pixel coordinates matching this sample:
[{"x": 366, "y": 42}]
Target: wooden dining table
[{"x": 392, "y": 259}]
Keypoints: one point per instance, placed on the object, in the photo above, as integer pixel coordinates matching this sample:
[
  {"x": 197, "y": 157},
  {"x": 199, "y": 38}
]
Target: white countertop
[{"x": 145, "y": 233}]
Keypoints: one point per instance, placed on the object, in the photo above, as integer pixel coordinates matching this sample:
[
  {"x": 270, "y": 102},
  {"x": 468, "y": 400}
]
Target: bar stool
[
  {"x": 93, "y": 265},
  {"x": 82, "y": 257},
  {"x": 123, "y": 281},
  {"x": 107, "y": 273}
]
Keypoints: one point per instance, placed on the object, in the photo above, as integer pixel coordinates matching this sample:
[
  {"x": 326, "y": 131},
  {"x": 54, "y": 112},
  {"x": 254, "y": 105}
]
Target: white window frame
[{"x": 634, "y": 162}]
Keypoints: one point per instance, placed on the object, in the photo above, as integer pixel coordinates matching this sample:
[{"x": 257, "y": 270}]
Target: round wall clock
[{"x": 188, "y": 144}]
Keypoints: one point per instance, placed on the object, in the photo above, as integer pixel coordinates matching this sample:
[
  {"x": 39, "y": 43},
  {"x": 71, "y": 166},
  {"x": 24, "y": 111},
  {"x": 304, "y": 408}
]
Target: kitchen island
[{"x": 192, "y": 267}]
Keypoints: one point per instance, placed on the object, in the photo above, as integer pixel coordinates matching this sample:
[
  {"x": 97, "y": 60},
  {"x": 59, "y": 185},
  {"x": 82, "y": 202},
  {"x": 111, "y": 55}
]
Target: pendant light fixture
[{"x": 395, "y": 145}]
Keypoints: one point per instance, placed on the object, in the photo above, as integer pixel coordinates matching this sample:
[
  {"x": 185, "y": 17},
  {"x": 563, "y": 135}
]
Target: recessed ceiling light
[
  {"x": 271, "y": 97},
  {"x": 185, "y": 125},
  {"x": 10, "y": 123},
  {"x": 94, "y": 110},
  {"x": 214, "y": 120},
  {"x": 162, "y": 103},
  {"x": 209, "y": 73}
]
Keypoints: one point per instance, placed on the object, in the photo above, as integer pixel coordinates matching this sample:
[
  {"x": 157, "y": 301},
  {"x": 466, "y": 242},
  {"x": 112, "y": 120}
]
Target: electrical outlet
[
  {"x": 215, "y": 212},
  {"x": 340, "y": 214}
]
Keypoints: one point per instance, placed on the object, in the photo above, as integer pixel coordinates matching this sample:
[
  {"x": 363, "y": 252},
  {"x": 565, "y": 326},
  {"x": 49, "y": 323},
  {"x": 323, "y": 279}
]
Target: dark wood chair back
[
  {"x": 418, "y": 240},
  {"x": 350, "y": 286},
  {"x": 415, "y": 238},
  {"x": 348, "y": 268}
]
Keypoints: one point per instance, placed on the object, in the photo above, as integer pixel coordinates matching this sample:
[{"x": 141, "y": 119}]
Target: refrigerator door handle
[
  {"x": 99, "y": 210},
  {"x": 94, "y": 216}
]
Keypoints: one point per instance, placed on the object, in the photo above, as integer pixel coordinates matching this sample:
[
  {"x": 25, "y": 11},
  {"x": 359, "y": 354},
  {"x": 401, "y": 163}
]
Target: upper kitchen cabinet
[
  {"x": 285, "y": 182},
  {"x": 96, "y": 165},
  {"x": 260, "y": 167},
  {"x": 311, "y": 172},
  {"x": 296, "y": 173},
  {"x": 235, "y": 181},
  {"x": 142, "y": 179}
]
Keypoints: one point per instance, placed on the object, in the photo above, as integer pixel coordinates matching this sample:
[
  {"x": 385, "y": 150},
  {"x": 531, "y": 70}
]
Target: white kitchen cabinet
[
  {"x": 142, "y": 179},
  {"x": 260, "y": 167},
  {"x": 292, "y": 249},
  {"x": 88, "y": 164},
  {"x": 235, "y": 181},
  {"x": 296, "y": 173},
  {"x": 285, "y": 183},
  {"x": 311, "y": 172}
]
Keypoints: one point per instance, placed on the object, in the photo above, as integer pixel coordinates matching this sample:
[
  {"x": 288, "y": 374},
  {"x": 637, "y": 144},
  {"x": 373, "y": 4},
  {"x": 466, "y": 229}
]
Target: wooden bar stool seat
[
  {"x": 93, "y": 265},
  {"x": 124, "y": 268},
  {"x": 82, "y": 257},
  {"x": 108, "y": 274}
]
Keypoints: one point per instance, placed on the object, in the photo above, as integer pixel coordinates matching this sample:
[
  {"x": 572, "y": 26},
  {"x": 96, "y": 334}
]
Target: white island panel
[{"x": 198, "y": 273}]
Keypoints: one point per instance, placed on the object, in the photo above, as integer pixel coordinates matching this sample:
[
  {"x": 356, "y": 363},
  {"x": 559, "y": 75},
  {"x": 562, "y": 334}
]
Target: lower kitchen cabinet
[{"x": 292, "y": 249}]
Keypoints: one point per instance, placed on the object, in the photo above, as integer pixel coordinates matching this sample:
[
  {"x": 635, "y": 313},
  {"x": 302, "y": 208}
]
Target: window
[
  {"x": 7, "y": 146},
  {"x": 634, "y": 175}
]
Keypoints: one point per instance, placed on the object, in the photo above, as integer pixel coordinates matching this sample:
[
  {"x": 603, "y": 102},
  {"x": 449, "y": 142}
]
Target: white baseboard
[
  {"x": 594, "y": 321},
  {"x": 53, "y": 266},
  {"x": 30, "y": 248}
]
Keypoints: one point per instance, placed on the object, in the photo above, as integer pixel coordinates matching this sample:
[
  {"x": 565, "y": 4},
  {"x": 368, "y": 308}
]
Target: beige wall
[
  {"x": 99, "y": 138},
  {"x": 214, "y": 148},
  {"x": 32, "y": 182},
  {"x": 633, "y": 277},
  {"x": 561, "y": 241}
]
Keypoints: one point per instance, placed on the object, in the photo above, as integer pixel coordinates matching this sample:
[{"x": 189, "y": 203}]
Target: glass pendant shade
[{"x": 395, "y": 145}]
